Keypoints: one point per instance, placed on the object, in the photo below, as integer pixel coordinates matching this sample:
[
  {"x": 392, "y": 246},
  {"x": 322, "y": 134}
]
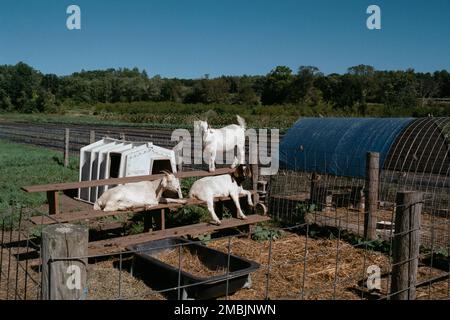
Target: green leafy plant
[
  {"x": 187, "y": 215},
  {"x": 441, "y": 251},
  {"x": 36, "y": 231},
  {"x": 136, "y": 227},
  {"x": 186, "y": 184},
  {"x": 437, "y": 251},
  {"x": 264, "y": 233},
  {"x": 205, "y": 238},
  {"x": 226, "y": 214},
  {"x": 375, "y": 245},
  {"x": 302, "y": 210}
]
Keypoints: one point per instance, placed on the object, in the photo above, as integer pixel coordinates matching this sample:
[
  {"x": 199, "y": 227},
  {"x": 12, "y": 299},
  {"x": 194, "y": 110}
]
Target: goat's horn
[{"x": 166, "y": 172}]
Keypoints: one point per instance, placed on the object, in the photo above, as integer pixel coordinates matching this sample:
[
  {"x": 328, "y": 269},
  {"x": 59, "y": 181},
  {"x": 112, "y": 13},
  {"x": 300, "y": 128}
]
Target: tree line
[{"x": 24, "y": 89}]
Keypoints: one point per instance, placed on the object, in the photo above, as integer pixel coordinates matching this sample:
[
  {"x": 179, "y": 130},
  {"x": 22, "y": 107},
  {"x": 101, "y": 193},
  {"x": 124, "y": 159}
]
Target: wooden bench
[
  {"x": 121, "y": 243},
  {"x": 55, "y": 215},
  {"x": 53, "y": 190},
  {"x": 87, "y": 215}
]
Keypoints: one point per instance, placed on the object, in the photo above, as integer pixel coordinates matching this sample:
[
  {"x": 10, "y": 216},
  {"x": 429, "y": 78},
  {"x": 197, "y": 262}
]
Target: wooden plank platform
[
  {"x": 104, "y": 182},
  {"x": 121, "y": 243},
  {"x": 86, "y": 215}
]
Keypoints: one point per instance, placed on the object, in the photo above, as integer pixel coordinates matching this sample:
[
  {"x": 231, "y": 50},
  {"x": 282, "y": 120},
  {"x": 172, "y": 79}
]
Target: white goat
[
  {"x": 223, "y": 140},
  {"x": 142, "y": 194},
  {"x": 226, "y": 185}
]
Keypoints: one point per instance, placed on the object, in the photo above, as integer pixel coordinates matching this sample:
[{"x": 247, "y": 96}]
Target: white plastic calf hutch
[{"x": 112, "y": 158}]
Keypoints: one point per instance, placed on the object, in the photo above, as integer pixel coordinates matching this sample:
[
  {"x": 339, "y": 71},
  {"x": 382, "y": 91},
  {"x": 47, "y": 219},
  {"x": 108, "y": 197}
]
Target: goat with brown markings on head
[
  {"x": 241, "y": 173},
  {"x": 144, "y": 194}
]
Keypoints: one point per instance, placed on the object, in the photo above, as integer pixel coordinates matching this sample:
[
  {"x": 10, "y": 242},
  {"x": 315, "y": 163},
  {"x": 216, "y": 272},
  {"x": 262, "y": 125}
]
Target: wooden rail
[
  {"x": 52, "y": 190},
  {"x": 105, "y": 246},
  {"x": 95, "y": 214},
  {"x": 104, "y": 182},
  {"x": 121, "y": 243}
]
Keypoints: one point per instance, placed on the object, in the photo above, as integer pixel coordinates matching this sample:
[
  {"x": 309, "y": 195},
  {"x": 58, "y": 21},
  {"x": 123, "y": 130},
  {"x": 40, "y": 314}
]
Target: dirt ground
[
  {"x": 300, "y": 268},
  {"x": 288, "y": 277},
  {"x": 435, "y": 231}
]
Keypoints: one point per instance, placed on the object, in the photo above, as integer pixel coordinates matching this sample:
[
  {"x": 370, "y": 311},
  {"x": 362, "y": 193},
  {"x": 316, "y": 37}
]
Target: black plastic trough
[{"x": 162, "y": 276}]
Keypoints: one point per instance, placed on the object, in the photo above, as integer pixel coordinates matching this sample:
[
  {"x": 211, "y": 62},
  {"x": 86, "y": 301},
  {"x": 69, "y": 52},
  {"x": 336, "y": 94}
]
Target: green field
[
  {"x": 22, "y": 165},
  {"x": 179, "y": 115}
]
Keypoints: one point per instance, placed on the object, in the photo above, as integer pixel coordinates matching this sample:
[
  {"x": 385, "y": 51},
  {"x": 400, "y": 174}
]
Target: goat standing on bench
[
  {"x": 142, "y": 194},
  {"x": 226, "y": 185},
  {"x": 223, "y": 140}
]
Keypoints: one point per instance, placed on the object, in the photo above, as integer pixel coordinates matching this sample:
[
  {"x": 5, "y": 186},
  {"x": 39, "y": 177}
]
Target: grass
[
  {"x": 22, "y": 165},
  {"x": 172, "y": 115}
]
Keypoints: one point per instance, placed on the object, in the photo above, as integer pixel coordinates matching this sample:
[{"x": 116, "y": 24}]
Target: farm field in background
[
  {"x": 27, "y": 165},
  {"x": 179, "y": 115},
  {"x": 315, "y": 263}
]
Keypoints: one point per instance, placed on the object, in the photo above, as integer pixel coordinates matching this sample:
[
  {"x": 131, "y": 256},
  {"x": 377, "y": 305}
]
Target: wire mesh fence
[
  {"x": 314, "y": 249},
  {"x": 340, "y": 197},
  {"x": 53, "y": 135},
  {"x": 296, "y": 261}
]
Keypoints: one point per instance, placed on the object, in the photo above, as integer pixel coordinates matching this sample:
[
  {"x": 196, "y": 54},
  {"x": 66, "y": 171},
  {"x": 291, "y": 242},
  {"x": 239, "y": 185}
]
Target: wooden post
[
  {"x": 405, "y": 247},
  {"x": 66, "y": 148},
  {"x": 91, "y": 136},
  {"x": 313, "y": 196},
  {"x": 255, "y": 177},
  {"x": 148, "y": 221},
  {"x": 53, "y": 202},
  {"x": 163, "y": 219},
  {"x": 371, "y": 189},
  {"x": 64, "y": 279}
]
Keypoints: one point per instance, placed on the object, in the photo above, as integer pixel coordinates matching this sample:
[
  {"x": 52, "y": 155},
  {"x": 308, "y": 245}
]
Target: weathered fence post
[
  {"x": 255, "y": 177},
  {"x": 313, "y": 191},
  {"x": 91, "y": 136},
  {"x": 405, "y": 247},
  {"x": 64, "y": 279},
  {"x": 66, "y": 147},
  {"x": 371, "y": 197}
]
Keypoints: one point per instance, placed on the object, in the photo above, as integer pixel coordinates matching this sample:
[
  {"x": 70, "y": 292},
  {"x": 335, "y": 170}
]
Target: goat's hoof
[
  {"x": 214, "y": 222},
  {"x": 243, "y": 217}
]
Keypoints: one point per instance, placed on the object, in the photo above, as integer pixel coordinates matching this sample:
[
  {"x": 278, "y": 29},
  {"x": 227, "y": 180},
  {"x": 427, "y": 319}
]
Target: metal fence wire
[
  {"x": 301, "y": 261},
  {"x": 314, "y": 249}
]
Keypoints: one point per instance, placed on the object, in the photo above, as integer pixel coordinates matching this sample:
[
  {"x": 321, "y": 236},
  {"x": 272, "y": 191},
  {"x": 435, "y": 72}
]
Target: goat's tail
[{"x": 241, "y": 122}]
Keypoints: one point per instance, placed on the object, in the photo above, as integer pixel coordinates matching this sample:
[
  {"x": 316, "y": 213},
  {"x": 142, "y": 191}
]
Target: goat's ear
[{"x": 240, "y": 172}]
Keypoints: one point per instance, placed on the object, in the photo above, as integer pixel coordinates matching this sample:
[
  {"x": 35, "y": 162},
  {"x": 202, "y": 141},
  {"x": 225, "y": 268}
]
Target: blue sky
[{"x": 190, "y": 38}]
